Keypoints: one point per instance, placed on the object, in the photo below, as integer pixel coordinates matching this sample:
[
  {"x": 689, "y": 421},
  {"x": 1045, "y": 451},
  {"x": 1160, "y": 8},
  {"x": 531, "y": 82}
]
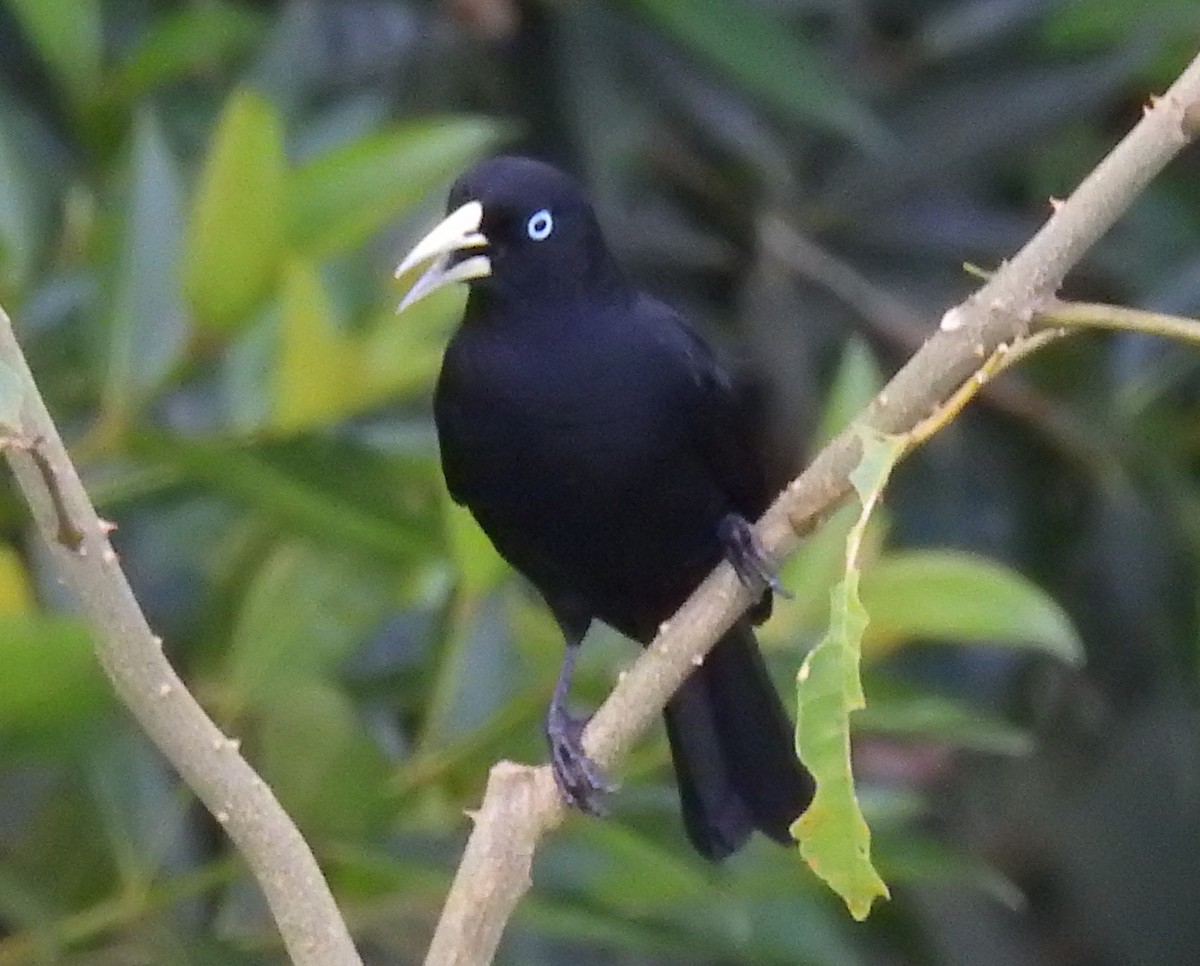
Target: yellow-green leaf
[
  {"x": 318, "y": 378},
  {"x": 478, "y": 566},
  {"x": 193, "y": 39},
  {"x": 855, "y": 384},
  {"x": 51, "y": 680},
  {"x": 955, "y": 596},
  {"x": 834, "y": 838},
  {"x": 16, "y": 596},
  {"x": 235, "y": 243},
  {"x": 325, "y": 374},
  {"x": 68, "y": 37},
  {"x": 833, "y": 835},
  {"x": 344, "y": 196},
  {"x": 403, "y": 352}
]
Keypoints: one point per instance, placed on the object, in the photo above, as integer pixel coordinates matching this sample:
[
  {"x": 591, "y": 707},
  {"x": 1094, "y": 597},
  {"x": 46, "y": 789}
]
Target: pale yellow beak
[{"x": 459, "y": 230}]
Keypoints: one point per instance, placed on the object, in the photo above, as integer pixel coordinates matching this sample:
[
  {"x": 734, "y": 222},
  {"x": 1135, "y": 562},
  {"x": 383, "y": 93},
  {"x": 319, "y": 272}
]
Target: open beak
[{"x": 457, "y": 233}]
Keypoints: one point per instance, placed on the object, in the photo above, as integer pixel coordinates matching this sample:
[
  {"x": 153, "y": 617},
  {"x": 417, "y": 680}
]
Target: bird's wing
[{"x": 717, "y": 413}]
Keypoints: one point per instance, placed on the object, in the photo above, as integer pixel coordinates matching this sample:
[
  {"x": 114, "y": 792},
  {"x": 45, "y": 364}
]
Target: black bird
[{"x": 601, "y": 448}]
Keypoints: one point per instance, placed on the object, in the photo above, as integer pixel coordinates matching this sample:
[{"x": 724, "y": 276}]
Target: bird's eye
[{"x": 540, "y": 225}]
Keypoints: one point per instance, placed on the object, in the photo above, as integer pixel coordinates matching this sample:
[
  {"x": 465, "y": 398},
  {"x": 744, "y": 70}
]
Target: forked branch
[{"x": 521, "y": 804}]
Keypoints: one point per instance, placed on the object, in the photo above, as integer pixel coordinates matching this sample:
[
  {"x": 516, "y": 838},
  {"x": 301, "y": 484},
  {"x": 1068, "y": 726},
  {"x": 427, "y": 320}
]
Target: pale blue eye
[{"x": 540, "y": 225}]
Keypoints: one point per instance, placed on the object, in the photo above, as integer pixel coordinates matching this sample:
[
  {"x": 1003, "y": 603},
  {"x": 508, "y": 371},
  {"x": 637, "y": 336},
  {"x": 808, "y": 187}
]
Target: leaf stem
[{"x": 1098, "y": 315}]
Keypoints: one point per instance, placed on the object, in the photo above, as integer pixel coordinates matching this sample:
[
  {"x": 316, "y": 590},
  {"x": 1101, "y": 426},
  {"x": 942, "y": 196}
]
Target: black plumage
[{"x": 602, "y": 449}]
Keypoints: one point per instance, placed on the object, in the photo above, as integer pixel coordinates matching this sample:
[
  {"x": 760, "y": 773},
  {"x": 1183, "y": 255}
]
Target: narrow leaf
[
  {"x": 341, "y": 198},
  {"x": 317, "y": 507},
  {"x": 16, "y": 595},
  {"x": 758, "y": 52},
  {"x": 325, "y": 373},
  {"x": 926, "y": 717},
  {"x": 478, "y": 566},
  {"x": 855, "y": 384},
  {"x": 318, "y": 379},
  {"x": 51, "y": 683},
  {"x": 20, "y": 225},
  {"x": 235, "y": 244},
  {"x": 834, "y": 838},
  {"x": 198, "y": 37},
  {"x": 68, "y": 36},
  {"x": 305, "y": 610},
  {"x": 147, "y": 329},
  {"x": 954, "y": 596}
]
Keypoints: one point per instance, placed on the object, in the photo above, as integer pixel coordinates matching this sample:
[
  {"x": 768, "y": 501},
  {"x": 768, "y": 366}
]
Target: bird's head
[{"x": 514, "y": 227}]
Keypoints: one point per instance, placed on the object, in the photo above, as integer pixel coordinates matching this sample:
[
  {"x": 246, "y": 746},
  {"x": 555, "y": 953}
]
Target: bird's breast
[
  {"x": 578, "y": 463},
  {"x": 543, "y": 387}
]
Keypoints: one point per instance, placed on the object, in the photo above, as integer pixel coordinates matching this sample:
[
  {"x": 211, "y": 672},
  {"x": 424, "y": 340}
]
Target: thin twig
[
  {"x": 495, "y": 870},
  {"x": 132, "y": 657},
  {"x": 1097, "y": 315},
  {"x": 901, "y": 327}
]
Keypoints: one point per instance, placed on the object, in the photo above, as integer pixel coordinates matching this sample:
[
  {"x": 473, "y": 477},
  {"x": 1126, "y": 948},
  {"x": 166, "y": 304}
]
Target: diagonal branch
[
  {"x": 521, "y": 804},
  {"x": 132, "y": 657}
]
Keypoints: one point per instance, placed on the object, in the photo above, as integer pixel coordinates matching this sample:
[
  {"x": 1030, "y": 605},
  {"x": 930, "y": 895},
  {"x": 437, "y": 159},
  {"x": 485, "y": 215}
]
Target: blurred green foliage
[{"x": 200, "y": 207}]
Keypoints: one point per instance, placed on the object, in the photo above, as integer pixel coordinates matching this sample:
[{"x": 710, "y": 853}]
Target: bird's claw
[
  {"x": 579, "y": 780},
  {"x": 748, "y": 558}
]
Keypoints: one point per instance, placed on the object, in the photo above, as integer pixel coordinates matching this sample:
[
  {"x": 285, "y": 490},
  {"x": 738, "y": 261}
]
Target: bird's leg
[
  {"x": 747, "y": 557},
  {"x": 578, "y": 777}
]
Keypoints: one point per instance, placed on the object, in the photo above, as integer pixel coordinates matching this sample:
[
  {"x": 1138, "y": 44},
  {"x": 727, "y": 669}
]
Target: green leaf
[
  {"x": 304, "y": 612},
  {"x": 920, "y": 860},
  {"x": 1075, "y": 28},
  {"x": 51, "y": 685},
  {"x": 477, "y": 565},
  {"x": 323, "y": 502},
  {"x": 147, "y": 326},
  {"x": 403, "y": 353},
  {"x": 637, "y": 875},
  {"x": 318, "y": 379},
  {"x": 141, "y": 815},
  {"x": 623, "y": 937},
  {"x": 16, "y": 594},
  {"x": 325, "y": 374},
  {"x": 235, "y": 242},
  {"x": 855, "y": 384},
  {"x": 834, "y": 838},
  {"x": 198, "y": 37},
  {"x": 755, "y": 50},
  {"x": 69, "y": 39},
  {"x": 955, "y": 596},
  {"x": 934, "y": 717},
  {"x": 343, "y": 197},
  {"x": 20, "y": 226},
  {"x": 475, "y": 676},
  {"x": 315, "y": 752}
]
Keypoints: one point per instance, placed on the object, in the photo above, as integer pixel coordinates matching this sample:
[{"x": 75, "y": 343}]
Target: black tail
[{"x": 732, "y": 745}]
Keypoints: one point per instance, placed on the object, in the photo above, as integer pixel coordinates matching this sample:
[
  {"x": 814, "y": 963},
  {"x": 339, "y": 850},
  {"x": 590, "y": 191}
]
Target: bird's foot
[
  {"x": 578, "y": 777},
  {"x": 747, "y": 557}
]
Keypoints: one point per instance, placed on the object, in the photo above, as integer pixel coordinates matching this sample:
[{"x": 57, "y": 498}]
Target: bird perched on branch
[{"x": 601, "y": 448}]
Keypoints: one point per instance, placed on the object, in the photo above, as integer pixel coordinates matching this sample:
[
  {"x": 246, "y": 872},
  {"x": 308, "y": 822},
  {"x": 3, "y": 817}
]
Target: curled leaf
[{"x": 833, "y": 835}]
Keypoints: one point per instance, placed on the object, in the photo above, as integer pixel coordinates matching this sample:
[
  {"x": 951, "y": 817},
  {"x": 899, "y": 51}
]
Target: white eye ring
[{"x": 540, "y": 225}]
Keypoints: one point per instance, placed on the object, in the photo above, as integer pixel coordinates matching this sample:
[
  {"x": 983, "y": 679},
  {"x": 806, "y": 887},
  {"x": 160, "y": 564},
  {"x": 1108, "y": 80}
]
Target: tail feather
[{"x": 731, "y": 742}]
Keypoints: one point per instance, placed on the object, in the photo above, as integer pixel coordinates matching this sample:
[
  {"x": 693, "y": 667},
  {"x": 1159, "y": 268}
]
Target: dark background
[{"x": 200, "y": 207}]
